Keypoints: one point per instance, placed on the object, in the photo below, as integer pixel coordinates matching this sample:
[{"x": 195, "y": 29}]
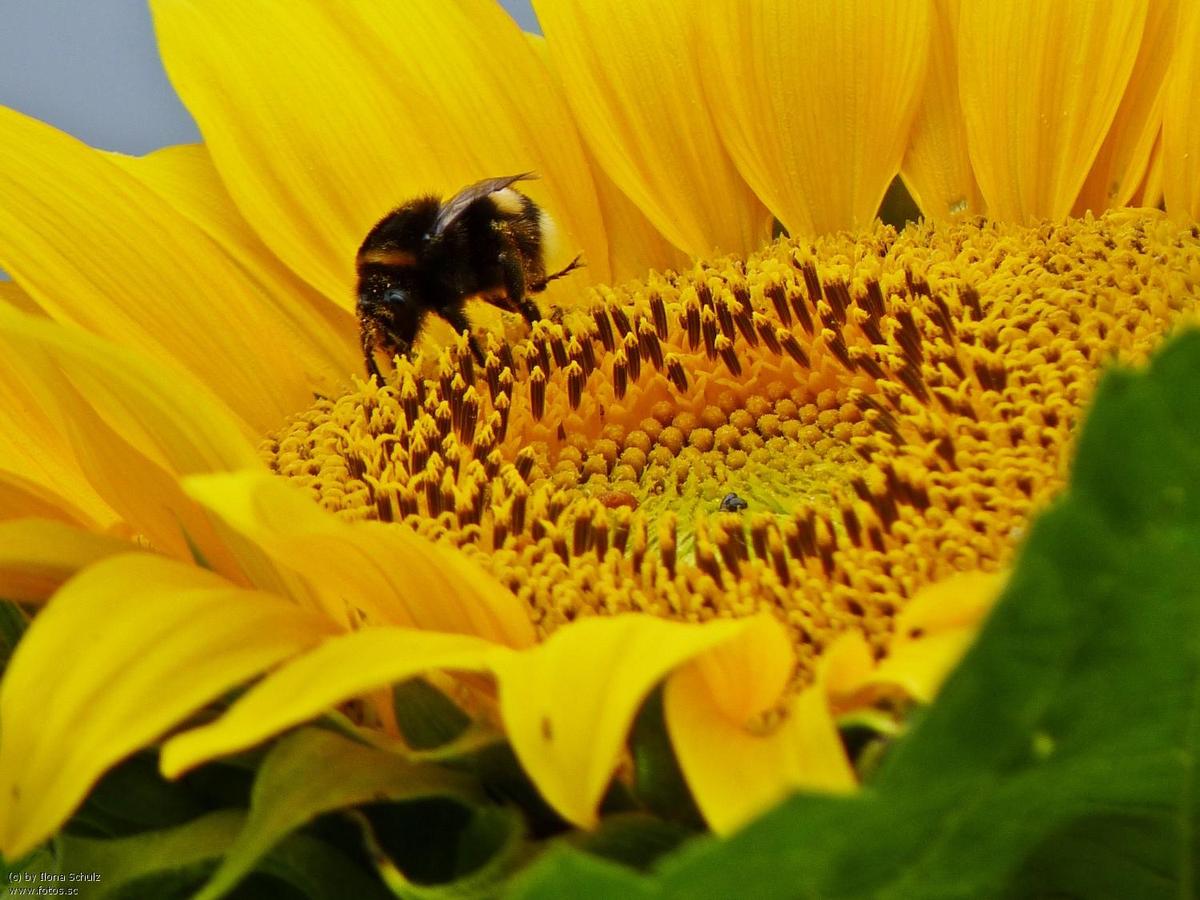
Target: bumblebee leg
[
  {"x": 529, "y": 310},
  {"x": 538, "y": 286},
  {"x": 515, "y": 287},
  {"x": 391, "y": 326},
  {"x": 370, "y": 337},
  {"x": 459, "y": 322}
]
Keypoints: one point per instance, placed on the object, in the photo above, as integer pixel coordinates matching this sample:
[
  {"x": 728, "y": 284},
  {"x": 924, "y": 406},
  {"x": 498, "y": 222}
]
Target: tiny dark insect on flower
[
  {"x": 487, "y": 242},
  {"x": 731, "y": 502}
]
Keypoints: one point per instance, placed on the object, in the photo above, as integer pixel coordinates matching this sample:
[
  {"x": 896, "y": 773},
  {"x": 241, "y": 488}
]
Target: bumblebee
[{"x": 486, "y": 242}]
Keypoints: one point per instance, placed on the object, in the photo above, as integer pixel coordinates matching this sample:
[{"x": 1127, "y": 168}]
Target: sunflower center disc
[{"x": 885, "y": 408}]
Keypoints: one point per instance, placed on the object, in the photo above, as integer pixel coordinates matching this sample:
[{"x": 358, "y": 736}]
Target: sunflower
[{"x": 781, "y": 478}]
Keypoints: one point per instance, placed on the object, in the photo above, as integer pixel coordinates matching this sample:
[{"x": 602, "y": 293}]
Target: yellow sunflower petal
[
  {"x": 1150, "y": 191},
  {"x": 17, "y": 297},
  {"x": 1121, "y": 162},
  {"x": 96, "y": 248},
  {"x": 748, "y": 675},
  {"x": 632, "y": 74},
  {"x": 567, "y": 704},
  {"x": 321, "y": 335},
  {"x": 39, "y": 475},
  {"x": 123, "y": 652},
  {"x": 846, "y": 664},
  {"x": 635, "y": 246},
  {"x": 38, "y": 468},
  {"x": 937, "y": 165},
  {"x": 393, "y": 575},
  {"x": 735, "y": 773},
  {"x": 21, "y": 498},
  {"x": 919, "y": 667},
  {"x": 341, "y": 668},
  {"x": 134, "y": 427},
  {"x": 960, "y": 601},
  {"x": 38, "y": 555},
  {"x": 815, "y": 100},
  {"x": 935, "y": 630},
  {"x": 323, "y": 119},
  {"x": 1181, "y": 126},
  {"x": 1040, "y": 84}
]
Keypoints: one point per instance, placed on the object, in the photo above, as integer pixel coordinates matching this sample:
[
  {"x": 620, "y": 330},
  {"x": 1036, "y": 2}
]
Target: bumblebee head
[
  {"x": 383, "y": 291},
  {"x": 390, "y": 312}
]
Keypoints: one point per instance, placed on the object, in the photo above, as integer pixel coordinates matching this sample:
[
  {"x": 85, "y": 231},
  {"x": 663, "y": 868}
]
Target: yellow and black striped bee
[{"x": 486, "y": 242}]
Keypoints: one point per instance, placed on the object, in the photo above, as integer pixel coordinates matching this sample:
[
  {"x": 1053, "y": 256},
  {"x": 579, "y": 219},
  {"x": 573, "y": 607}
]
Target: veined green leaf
[
  {"x": 442, "y": 850},
  {"x": 319, "y": 871},
  {"x": 312, "y": 772},
  {"x": 133, "y": 798},
  {"x": 165, "y": 863}
]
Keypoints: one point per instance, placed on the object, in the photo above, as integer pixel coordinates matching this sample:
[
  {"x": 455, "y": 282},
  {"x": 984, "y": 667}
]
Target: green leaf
[
  {"x": 320, "y": 872},
  {"x": 133, "y": 798},
  {"x": 25, "y": 872},
  {"x": 1060, "y": 758},
  {"x": 633, "y": 839},
  {"x": 160, "y": 864},
  {"x": 581, "y": 876},
  {"x": 499, "y": 772},
  {"x": 427, "y": 717},
  {"x": 442, "y": 850},
  {"x": 659, "y": 784},
  {"x": 312, "y": 772},
  {"x": 13, "y": 622}
]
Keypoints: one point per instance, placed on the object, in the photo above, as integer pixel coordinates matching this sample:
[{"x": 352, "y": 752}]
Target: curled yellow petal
[
  {"x": 390, "y": 574},
  {"x": 632, "y": 74},
  {"x": 341, "y": 668},
  {"x": 567, "y": 704},
  {"x": 935, "y": 630},
  {"x": 95, "y": 247},
  {"x": 937, "y": 165},
  {"x": 1181, "y": 126},
  {"x": 736, "y": 772},
  {"x": 123, "y": 652},
  {"x": 1040, "y": 84},
  {"x": 38, "y": 555},
  {"x": 323, "y": 119},
  {"x": 846, "y": 664},
  {"x": 748, "y": 675},
  {"x": 815, "y": 100}
]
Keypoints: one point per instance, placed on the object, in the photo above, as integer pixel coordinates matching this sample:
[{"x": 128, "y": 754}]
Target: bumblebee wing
[{"x": 453, "y": 208}]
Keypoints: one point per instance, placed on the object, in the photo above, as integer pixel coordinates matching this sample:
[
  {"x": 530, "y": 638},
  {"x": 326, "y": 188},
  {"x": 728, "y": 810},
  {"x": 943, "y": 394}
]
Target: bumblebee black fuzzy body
[{"x": 428, "y": 256}]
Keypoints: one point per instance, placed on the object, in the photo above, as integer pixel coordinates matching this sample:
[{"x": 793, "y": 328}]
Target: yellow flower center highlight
[{"x": 885, "y": 409}]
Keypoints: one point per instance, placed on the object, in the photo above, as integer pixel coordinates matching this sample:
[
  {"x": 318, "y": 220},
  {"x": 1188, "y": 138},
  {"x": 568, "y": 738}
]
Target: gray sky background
[{"x": 91, "y": 68}]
